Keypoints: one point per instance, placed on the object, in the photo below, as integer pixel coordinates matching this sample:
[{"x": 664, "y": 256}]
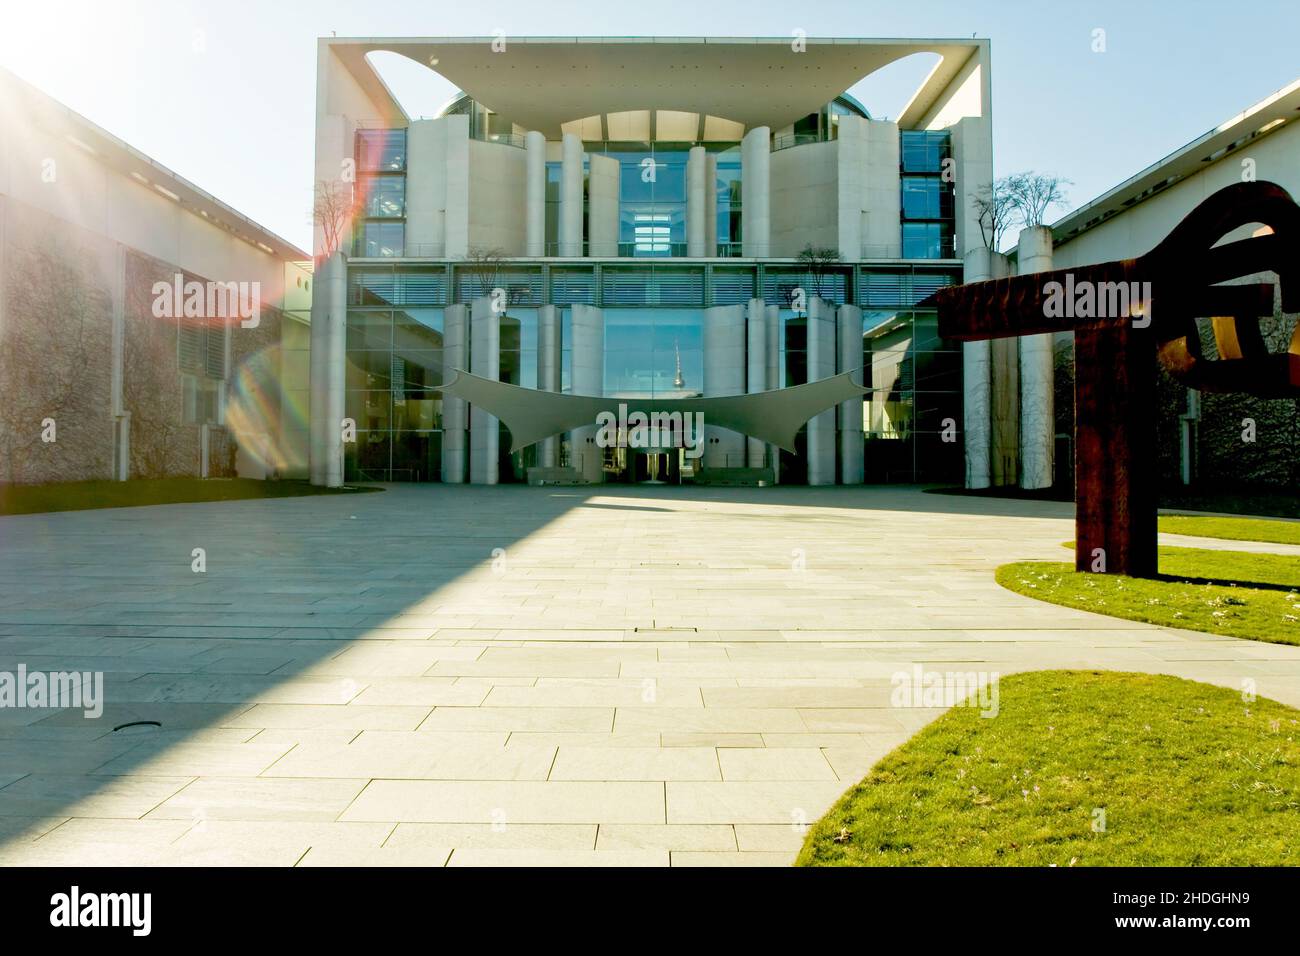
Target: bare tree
[
  {"x": 995, "y": 209},
  {"x": 485, "y": 265},
  {"x": 818, "y": 259},
  {"x": 1032, "y": 194},
  {"x": 52, "y": 337},
  {"x": 332, "y": 210}
]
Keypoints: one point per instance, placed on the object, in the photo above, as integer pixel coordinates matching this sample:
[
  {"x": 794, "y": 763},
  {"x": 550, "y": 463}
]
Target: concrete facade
[{"x": 90, "y": 230}]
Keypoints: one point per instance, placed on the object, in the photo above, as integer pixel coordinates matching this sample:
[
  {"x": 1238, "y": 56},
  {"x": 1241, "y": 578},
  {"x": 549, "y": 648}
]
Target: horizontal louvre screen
[
  {"x": 368, "y": 287},
  {"x": 387, "y": 287},
  {"x": 779, "y": 287},
  {"x": 732, "y": 288},
  {"x": 901, "y": 288},
  {"x": 423, "y": 288},
  {"x": 926, "y": 284},
  {"x": 573, "y": 286},
  {"x": 522, "y": 287},
  {"x": 652, "y": 287}
]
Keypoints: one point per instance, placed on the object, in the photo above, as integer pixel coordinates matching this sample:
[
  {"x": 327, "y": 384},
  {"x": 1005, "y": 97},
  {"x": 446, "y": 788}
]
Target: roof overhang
[
  {"x": 56, "y": 119},
  {"x": 542, "y": 82},
  {"x": 1262, "y": 119}
]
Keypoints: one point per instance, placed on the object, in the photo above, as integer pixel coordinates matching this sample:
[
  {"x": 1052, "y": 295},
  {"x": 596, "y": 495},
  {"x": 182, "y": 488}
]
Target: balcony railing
[{"x": 795, "y": 139}]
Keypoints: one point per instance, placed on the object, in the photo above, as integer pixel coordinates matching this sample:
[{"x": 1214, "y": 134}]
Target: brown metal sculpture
[{"x": 1125, "y": 315}]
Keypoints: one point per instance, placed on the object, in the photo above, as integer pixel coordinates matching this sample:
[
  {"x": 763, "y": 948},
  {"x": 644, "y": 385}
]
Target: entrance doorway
[{"x": 648, "y": 466}]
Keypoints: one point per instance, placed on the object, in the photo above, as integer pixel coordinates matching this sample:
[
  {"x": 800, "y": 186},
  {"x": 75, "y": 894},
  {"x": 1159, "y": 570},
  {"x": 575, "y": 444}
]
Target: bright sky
[{"x": 223, "y": 91}]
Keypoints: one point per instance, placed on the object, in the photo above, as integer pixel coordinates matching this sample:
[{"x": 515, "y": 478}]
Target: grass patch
[
  {"x": 1233, "y": 529},
  {"x": 84, "y": 495},
  {"x": 1232, "y": 593},
  {"x": 1187, "y": 775}
]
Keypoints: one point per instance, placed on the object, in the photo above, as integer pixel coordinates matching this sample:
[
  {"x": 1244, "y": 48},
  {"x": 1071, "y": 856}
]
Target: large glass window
[
  {"x": 912, "y": 413},
  {"x": 381, "y": 150},
  {"x": 654, "y": 352},
  {"x": 381, "y": 239},
  {"x": 394, "y": 374},
  {"x": 927, "y": 196},
  {"x": 923, "y": 151},
  {"x": 927, "y": 240},
  {"x": 383, "y": 196}
]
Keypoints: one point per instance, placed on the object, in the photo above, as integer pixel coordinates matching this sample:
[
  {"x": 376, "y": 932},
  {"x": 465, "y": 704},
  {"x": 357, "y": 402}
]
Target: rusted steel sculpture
[{"x": 1125, "y": 315}]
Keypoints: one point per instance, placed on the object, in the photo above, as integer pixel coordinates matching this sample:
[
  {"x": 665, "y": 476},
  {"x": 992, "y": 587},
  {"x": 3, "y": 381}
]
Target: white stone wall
[
  {"x": 603, "y": 190},
  {"x": 497, "y": 210},
  {"x": 803, "y": 197}
]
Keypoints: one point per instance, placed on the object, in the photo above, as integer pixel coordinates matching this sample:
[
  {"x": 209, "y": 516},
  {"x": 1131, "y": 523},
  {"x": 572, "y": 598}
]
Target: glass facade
[
  {"x": 393, "y": 375},
  {"x": 925, "y": 169},
  {"x": 915, "y": 399},
  {"x": 395, "y": 354},
  {"x": 379, "y": 229}
]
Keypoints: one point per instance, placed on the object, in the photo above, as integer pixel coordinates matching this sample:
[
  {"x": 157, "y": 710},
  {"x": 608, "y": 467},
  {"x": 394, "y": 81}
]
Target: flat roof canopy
[{"x": 542, "y": 83}]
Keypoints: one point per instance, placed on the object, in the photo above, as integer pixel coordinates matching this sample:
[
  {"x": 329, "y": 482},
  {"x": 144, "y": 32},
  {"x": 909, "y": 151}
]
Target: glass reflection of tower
[{"x": 679, "y": 380}]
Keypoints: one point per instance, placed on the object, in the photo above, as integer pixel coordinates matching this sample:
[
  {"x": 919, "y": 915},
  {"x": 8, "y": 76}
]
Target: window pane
[{"x": 383, "y": 196}]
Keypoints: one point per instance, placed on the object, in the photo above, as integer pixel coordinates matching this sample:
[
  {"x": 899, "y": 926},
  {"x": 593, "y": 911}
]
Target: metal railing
[{"x": 795, "y": 139}]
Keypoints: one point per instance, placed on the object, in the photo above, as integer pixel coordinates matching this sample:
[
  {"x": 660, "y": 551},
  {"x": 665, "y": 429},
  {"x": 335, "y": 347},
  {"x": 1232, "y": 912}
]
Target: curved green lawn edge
[
  {"x": 1231, "y": 593},
  {"x": 1264, "y": 530},
  {"x": 1081, "y": 768}
]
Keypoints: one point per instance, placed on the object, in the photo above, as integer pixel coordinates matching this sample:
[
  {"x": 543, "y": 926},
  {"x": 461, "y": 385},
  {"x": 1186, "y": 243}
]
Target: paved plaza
[{"x": 506, "y": 675}]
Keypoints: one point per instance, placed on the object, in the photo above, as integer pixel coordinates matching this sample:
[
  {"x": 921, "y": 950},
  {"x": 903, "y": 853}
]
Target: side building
[
  {"x": 1215, "y": 439},
  {"x": 642, "y": 218},
  {"x": 146, "y": 328}
]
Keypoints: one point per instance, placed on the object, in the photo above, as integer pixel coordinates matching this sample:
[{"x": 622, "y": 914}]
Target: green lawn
[
  {"x": 1235, "y": 529},
  {"x": 1081, "y": 768},
  {"x": 1255, "y": 596},
  {"x": 82, "y": 495}
]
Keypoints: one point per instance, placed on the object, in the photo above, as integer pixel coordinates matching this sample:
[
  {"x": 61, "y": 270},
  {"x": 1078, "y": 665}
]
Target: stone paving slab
[{"x": 649, "y": 676}]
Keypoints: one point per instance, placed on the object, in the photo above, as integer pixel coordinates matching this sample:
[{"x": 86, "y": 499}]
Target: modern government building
[
  {"x": 639, "y": 207},
  {"x": 591, "y": 229}
]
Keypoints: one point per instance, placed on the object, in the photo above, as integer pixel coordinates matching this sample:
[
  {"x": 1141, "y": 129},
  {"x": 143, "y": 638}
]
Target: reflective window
[
  {"x": 927, "y": 240},
  {"x": 381, "y": 150},
  {"x": 383, "y": 196},
  {"x": 923, "y": 151},
  {"x": 380, "y": 239},
  {"x": 651, "y": 352}
]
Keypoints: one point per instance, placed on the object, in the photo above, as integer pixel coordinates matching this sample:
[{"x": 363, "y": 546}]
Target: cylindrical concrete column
[
  {"x": 548, "y": 374},
  {"x": 485, "y": 361},
  {"x": 338, "y": 363},
  {"x": 724, "y": 374},
  {"x": 587, "y": 377},
  {"x": 711, "y": 206},
  {"x": 534, "y": 194},
  {"x": 328, "y": 370},
  {"x": 697, "y": 165},
  {"x": 772, "y": 314},
  {"x": 977, "y": 384},
  {"x": 756, "y": 191},
  {"x": 756, "y": 370},
  {"x": 602, "y": 206},
  {"x": 455, "y": 356},
  {"x": 852, "y": 446},
  {"x": 1037, "y": 374},
  {"x": 821, "y": 364},
  {"x": 317, "y": 384},
  {"x": 570, "y": 225}
]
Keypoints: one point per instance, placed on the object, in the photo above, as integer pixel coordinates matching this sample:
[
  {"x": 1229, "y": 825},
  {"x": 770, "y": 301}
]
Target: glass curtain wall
[{"x": 915, "y": 400}]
